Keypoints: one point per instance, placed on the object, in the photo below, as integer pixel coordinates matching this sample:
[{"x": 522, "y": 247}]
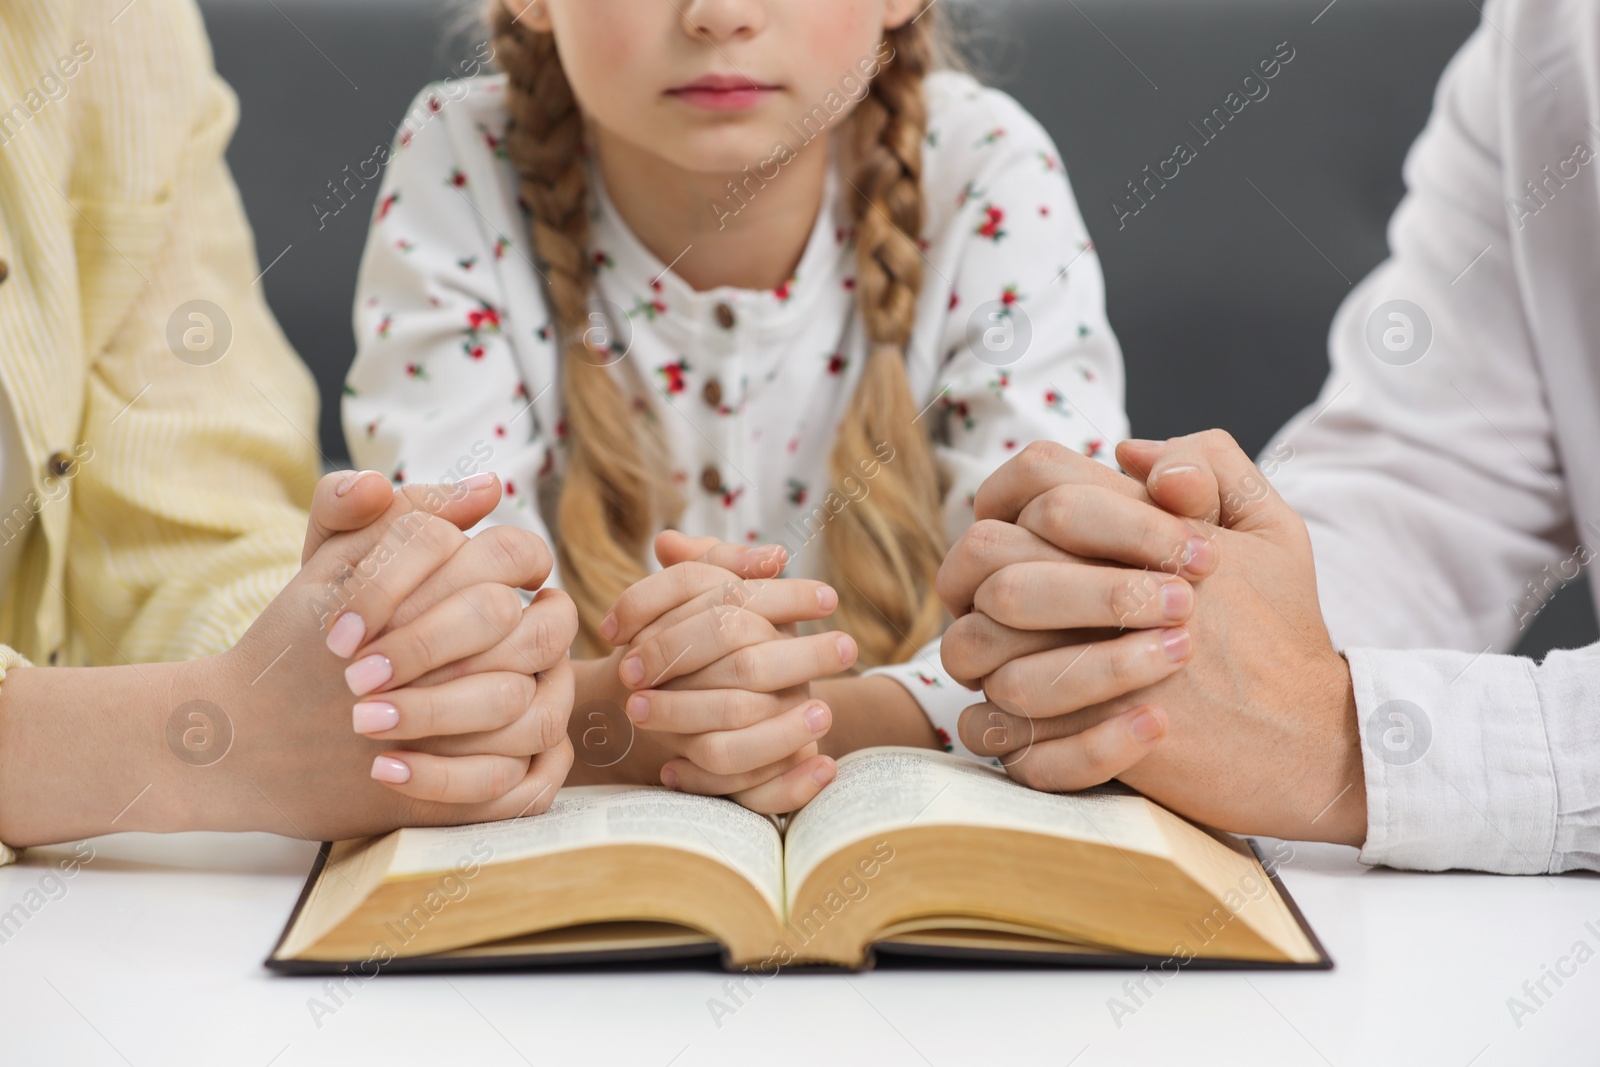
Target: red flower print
[
  {"x": 797, "y": 492},
  {"x": 434, "y": 106},
  {"x": 467, "y": 263},
  {"x": 500, "y": 245},
  {"x": 561, "y": 430},
  {"x": 372, "y": 428},
  {"x": 1001, "y": 380},
  {"x": 1010, "y": 444},
  {"x": 457, "y": 180},
  {"x": 499, "y": 431},
  {"x": 673, "y": 375},
  {"x": 1009, "y": 296},
  {"x": 929, "y": 681},
  {"x": 601, "y": 261},
  {"x": 398, "y": 477},
  {"x": 549, "y": 465},
  {"x": 472, "y": 350},
  {"x": 1088, "y": 375},
  {"x": 650, "y": 309},
  {"x": 962, "y": 412},
  {"x": 511, "y": 488},
  {"x": 405, "y": 245},
  {"x": 955, "y": 299},
  {"x": 1057, "y": 403},
  {"x": 794, "y": 444},
  {"x": 944, "y": 738},
  {"x": 968, "y": 192},
  {"x": 385, "y": 205},
  {"x": 837, "y": 363},
  {"x": 784, "y": 291},
  {"x": 521, "y": 393},
  {"x": 485, "y": 318},
  {"x": 385, "y": 326},
  {"x": 1044, "y": 210},
  {"x": 991, "y": 137},
  {"x": 849, "y": 285},
  {"x": 417, "y": 371},
  {"x": 492, "y": 141},
  {"x": 1094, "y": 448},
  {"x": 752, "y": 536},
  {"x": 546, "y": 331},
  {"x": 993, "y": 225},
  {"x": 731, "y": 498},
  {"x": 1051, "y": 163}
]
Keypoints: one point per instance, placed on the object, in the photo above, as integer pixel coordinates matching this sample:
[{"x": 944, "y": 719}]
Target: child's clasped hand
[{"x": 714, "y": 675}]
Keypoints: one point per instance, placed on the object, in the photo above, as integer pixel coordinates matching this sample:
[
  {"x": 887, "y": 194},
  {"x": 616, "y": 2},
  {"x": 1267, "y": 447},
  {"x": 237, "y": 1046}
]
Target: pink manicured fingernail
[
  {"x": 350, "y": 483},
  {"x": 365, "y": 675},
  {"x": 827, "y": 599},
  {"x": 608, "y": 626},
  {"x": 1177, "y": 600},
  {"x": 374, "y": 717},
  {"x": 482, "y": 480},
  {"x": 1176, "y": 644},
  {"x": 669, "y": 777},
  {"x": 817, "y": 718},
  {"x": 1145, "y": 726},
  {"x": 638, "y": 707},
  {"x": 346, "y": 636},
  {"x": 388, "y": 769},
  {"x": 632, "y": 671},
  {"x": 847, "y": 648},
  {"x": 1198, "y": 555},
  {"x": 823, "y": 774}
]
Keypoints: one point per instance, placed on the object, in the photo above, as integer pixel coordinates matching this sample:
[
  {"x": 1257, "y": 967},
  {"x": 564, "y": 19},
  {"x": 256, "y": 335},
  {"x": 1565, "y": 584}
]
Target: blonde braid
[
  {"x": 612, "y": 497},
  {"x": 884, "y": 551}
]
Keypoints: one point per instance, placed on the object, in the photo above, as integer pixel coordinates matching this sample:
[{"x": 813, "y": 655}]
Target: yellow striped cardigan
[{"x": 168, "y": 495}]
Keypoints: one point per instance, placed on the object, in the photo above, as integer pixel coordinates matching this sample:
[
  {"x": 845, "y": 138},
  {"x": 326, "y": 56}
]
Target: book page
[
  {"x": 590, "y": 816},
  {"x": 883, "y": 789}
]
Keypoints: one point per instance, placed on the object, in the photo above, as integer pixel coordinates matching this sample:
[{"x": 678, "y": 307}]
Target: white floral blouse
[{"x": 456, "y": 364}]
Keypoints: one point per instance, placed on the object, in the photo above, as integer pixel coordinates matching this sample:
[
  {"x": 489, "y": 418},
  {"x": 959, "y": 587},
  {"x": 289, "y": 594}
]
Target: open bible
[{"x": 906, "y": 851}]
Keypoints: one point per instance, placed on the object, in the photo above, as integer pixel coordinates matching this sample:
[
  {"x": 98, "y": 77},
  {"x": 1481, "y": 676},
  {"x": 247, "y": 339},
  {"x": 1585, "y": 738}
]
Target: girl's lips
[{"x": 722, "y": 93}]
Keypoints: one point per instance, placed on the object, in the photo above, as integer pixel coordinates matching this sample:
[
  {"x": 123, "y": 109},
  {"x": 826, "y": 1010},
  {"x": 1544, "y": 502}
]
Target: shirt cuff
[
  {"x": 10, "y": 660},
  {"x": 1457, "y": 764},
  {"x": 940, "y": 696}
]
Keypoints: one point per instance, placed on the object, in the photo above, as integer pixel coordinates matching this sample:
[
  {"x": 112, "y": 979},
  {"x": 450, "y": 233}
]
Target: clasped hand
[
  {"x": 1164, "y": 630},
  {"x": 714, "y": 677}
]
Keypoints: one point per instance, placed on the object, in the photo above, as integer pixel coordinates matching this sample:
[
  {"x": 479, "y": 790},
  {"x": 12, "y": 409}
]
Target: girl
[{"x": 754, "y": 270}]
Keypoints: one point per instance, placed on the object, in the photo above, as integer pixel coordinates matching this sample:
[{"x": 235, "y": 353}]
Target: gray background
[{"x": 1221, "y": 290}]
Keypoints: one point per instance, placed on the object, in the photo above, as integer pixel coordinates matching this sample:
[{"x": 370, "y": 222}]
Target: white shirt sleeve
[
  {"x": 1429, "y": 477},
  {"x": 435, "y": 392},
  {"x": 1026, "y": 352}
]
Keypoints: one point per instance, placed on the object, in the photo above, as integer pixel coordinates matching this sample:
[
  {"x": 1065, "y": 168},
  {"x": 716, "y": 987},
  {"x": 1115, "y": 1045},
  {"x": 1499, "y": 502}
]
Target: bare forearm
[
  {"x": 872, "y": 711},
  {"x": 607, "y": 746},
  {"x": 83, "y": 751}
]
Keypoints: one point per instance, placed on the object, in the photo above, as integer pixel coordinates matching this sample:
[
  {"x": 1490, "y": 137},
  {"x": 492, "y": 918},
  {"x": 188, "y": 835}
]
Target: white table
[{"x": 152, "y": 956}]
